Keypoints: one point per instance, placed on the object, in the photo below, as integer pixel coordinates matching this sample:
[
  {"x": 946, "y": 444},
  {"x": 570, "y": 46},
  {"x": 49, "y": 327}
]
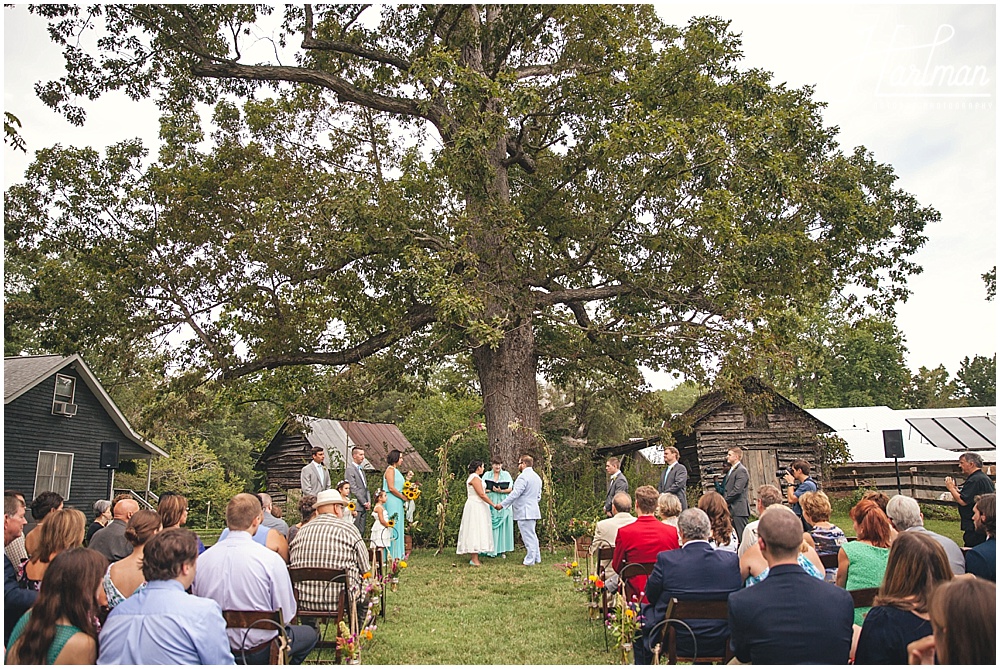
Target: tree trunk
[{"x": 510, "y": 394}]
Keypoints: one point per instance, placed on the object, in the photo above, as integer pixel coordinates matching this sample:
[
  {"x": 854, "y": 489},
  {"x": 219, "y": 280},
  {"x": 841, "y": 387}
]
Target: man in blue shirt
[
  {"x": 161, "y": 623},
  {"x": 799, "y": 483}
]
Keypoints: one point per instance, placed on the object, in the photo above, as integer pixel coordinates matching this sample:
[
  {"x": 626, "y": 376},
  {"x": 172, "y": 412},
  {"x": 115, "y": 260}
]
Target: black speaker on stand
[
  {"x": 892, "y": 440},
  {"x": 109, "y": 461}
]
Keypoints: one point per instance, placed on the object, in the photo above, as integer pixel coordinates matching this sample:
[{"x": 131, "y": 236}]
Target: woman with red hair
[{"x": 861, "y": 564}]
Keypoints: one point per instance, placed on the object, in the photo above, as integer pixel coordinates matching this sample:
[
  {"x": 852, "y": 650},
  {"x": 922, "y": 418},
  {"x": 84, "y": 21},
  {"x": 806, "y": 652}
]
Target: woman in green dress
[
  {"x": 861, "y": 564},
  {"x": 503, "y": 523},
  {"x": 392, "y": 483}
]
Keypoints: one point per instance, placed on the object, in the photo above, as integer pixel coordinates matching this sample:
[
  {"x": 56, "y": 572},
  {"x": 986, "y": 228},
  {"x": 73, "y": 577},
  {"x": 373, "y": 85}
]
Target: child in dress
[{"x": 381, "y": 536}]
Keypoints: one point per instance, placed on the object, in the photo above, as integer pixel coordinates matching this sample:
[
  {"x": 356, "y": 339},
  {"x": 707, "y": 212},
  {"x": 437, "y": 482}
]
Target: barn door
[{"x": 761, "y": 464}]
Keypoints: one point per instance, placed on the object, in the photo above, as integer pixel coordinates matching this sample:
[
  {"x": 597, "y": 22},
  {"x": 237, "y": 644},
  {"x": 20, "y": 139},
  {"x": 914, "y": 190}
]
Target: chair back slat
[
  {"x": 863, "y": 597},
  {"x": 693, "y": 610},
  {"x": 829, "y": 560}
]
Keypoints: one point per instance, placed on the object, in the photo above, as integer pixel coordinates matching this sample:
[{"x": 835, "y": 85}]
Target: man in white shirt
[
  {"x": 314, "y": 478},
  {"x": 767, "y": 495},
  {"x": 242, "y": 575}
]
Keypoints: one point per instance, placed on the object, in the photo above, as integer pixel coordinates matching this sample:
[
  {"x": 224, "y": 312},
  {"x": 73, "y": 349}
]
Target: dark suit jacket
[
  {"x": 642, "y": 541},
  {"x": 791, "y": 618},
  {"x": 675, "y": 481},
  {"x": 737, "y": 491},
  {"x": 616, "y": 485},
  {"x": 696, "y": 572},
  {"x": 982, "y": 560},
  {"x": 111, "y": 542},
  {"x": 15, "y": 599}
]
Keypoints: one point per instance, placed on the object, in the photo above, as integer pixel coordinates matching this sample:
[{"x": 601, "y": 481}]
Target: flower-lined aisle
[{"x": 350, "y": 645}]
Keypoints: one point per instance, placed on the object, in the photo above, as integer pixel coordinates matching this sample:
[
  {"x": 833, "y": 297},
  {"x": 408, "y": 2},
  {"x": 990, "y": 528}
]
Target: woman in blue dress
[
  {"x": 503, "y": 520},
  {"x": 392, "y": 483}
]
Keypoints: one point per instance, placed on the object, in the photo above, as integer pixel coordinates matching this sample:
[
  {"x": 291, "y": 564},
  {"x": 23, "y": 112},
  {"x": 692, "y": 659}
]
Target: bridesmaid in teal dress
[
  {"x": 392, "y": 483},
  {"x": 503, "y": 520}
]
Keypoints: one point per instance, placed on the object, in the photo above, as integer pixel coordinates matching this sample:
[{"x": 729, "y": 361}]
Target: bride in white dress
[{"x": 475, "y": 535}]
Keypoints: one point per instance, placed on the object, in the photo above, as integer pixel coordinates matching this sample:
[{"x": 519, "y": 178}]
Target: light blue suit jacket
[{"x": 525, "y": 496}]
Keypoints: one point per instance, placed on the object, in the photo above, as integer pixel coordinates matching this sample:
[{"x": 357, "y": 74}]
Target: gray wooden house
[
  {"x": 289, "y": 451},
  {"x": 57, "y": 421},
  {"x": 771, "y": 429}
]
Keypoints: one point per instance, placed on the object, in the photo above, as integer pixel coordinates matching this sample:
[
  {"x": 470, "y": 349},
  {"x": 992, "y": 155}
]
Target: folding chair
[
  {"x": 329, "y": 578},
  {"x": 829, "y": 560},
  {"x": 602, "y": 558},
  {"x": 259, "y": 620},
  {"x": 690, "y": 610},
  {"x": 630, "y": 571},
  {"x": 863, "y": 597}
]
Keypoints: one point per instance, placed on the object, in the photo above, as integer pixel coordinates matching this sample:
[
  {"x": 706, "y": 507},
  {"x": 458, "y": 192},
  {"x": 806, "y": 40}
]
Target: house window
[
  {"x": 65, "y": 393},
  {"x": 54, "y": 472}
]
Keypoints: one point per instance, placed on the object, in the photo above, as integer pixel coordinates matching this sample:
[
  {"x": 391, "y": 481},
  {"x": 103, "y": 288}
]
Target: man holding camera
[{"x": 799, "y": 483}]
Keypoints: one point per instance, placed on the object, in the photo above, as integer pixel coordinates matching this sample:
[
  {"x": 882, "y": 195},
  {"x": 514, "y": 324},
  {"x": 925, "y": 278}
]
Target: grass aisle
[{"x": 447, "y": 612}]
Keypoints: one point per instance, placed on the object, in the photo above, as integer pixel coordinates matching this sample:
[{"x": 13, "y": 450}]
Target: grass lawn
[
  {"x": 946, "y": 527},
  {"x": 446, "y": 612}
]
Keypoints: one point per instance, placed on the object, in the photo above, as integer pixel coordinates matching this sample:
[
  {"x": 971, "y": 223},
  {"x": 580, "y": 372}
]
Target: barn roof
[
  {"x": 22, "y": 373},
  {"x": 338, "y": 436},
  {"x": 708, "y": 403},
  {"x": 929, "y": 435}
]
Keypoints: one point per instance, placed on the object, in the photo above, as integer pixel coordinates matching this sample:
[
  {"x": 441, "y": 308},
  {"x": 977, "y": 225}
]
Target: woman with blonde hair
[
  {"x": 824, "y": 536},
  {"x": 723, "y": 535},
  {"x": 917, "y": 564},
  {"x": 63, "y": 529},
  {"x": 861, "y": 564},
  {"x": 668, "y": 507},
  {"x": 125, "y": 576}
]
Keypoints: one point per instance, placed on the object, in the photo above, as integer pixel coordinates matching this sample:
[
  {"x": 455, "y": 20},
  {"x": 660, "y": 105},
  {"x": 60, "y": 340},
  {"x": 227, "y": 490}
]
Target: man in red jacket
[{"x": 644, "y": 539}]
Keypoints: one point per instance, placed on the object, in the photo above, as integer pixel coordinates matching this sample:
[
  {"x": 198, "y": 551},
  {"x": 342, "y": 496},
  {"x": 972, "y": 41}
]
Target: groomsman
[
  {"x": 359, "y": 487},
  {"x": 315, "y": 478},
  {"x": 735, "y": 487},
  {"x": 616, "y": 483},
  {"x": 675, "y": 476}
]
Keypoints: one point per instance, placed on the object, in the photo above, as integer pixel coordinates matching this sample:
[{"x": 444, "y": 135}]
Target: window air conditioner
[{"x": 63, "y": 409}]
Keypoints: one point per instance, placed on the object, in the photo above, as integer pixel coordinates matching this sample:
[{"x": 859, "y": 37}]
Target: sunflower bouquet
[{"x": 411, "y": 490}]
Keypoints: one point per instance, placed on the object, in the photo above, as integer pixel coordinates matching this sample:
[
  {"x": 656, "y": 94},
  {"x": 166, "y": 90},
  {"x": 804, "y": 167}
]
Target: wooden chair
[
  {"x": 261, "y": 620},
  {"x": 602, "y": 558},
  {"x": 582, "y": 545},
  {"x": 329, "y": 579},
  {"x": 690, "y": 610},
  {"x": 630, "y": 571},
  {"x": 863, "y": 597},
  {"x": 829, "y": 561}
]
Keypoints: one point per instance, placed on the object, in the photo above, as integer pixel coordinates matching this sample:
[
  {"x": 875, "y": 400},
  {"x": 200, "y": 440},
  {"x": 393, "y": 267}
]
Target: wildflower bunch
[
  {"x": 348, "y": 644},
  {"x": 572, "y": 569},
  {"x": 593, "y": 587},
  {"x": 624, "y": 622},
  {"x": 395, "y": 566},
  {"x": 579, "y": 527}
]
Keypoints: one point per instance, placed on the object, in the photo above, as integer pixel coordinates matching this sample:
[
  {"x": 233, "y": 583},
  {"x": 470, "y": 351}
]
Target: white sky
[{"x": 881, "y": 68}]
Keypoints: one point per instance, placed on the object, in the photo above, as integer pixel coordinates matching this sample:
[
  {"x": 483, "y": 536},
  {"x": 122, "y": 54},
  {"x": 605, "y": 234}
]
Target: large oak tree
[{"x": 550, "y": 189}]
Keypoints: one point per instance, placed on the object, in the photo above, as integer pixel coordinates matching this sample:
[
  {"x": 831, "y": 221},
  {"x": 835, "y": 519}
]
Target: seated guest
[
  {"x": 917, "y": 565},
  {"x": 606, "y": 533},
  {"x": 102, "y": 516},
  {"x": 63, "y": 529},
  {"x": 162, "y": 624},
  {"x": 267, "y": 537},
  {"x": 791, "y": 617},
  {"x": 270, "y": 521},
  {"x": 982, "y": 560},
  {"x": 306, "y": 512},
  {"x": 16, "y": 600},
  {"x": 330, "y": 541},
  {"x": 767, "y": 495},
  {"x": 173, "y": 510},
  {"x": 904, "y": 514},
  {"x": 14, "y": 549},
  {"x": 963, "y": 616},
  {"x": 242, "y": 575},
  {"x": 882, "y": 500},
  {"x": 41, "y": 506},
  {"x": 668, "y": 508},
  {"x": 126, "y": 576},
  {"x": 861, "y": 563},
  {"x": 111, "y": 542},
  {"x": 643, "y": 540},
  {"x": 754, "y": 569},
  {"x": 723, "y": 535},
  {"x": 696, "y": 572},
  {"x": 824, "y": 536},
  {"x": 61, "y": 627}
]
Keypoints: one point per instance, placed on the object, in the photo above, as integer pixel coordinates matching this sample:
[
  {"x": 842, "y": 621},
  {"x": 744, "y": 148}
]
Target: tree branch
[
  {"x": 568, "y": 295},
  {"x": 417, "y": 317},
  {"x": 310, "y": 42}
]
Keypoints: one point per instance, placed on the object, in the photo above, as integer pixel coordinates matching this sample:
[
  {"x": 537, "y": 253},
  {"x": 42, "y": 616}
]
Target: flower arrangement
[
  {"x": 593, "y": 588},
  {"x": 624, "y": 622},
  {"x": 411, "y": 490},
  {"x": 395, "y": 566},
  {"x": 348, "y": 644},
  {"x": 578, "y": 527},
  {"x": 572, "y": 570}
]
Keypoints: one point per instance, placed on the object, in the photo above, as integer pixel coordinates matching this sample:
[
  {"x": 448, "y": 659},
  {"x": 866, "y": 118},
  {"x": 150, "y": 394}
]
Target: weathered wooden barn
[
  {"x": 771, "y": 429},
  {"x": 288, "y": 451},
  {"x": 57, "y": 420}
]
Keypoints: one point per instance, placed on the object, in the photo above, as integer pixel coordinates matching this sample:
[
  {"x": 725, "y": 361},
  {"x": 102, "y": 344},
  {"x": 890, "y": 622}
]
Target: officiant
[{"x": 499, "y": 484}]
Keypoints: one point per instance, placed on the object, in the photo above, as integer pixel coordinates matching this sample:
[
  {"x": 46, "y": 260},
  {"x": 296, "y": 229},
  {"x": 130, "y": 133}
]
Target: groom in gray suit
[
  {"x": 524, "y": 500},
  {"x": 315, "y": 478},
  {"x": 675, "y": 476}
]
